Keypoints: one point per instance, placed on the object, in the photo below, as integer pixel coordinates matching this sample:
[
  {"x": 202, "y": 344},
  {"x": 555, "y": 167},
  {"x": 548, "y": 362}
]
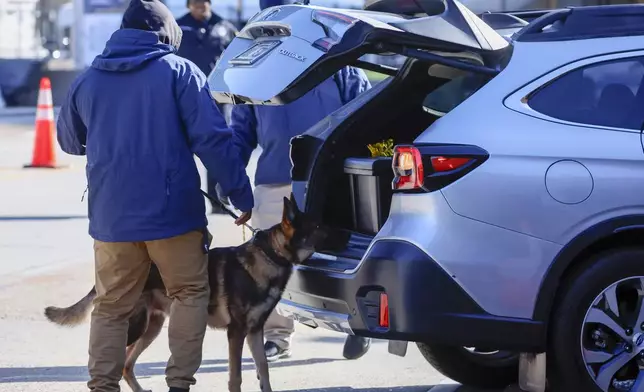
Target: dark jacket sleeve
[
  {"x": 71, "y": 131},
  {"x": 354, "y": 82},
  {"x": 244, "y": 125},
  {"x": 209, "y": 137}
]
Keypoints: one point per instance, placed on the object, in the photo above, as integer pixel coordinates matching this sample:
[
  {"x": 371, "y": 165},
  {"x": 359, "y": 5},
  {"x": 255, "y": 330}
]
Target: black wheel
[
  {"x": 596, "y": 332},
  {"x": 473, "y": 367}
]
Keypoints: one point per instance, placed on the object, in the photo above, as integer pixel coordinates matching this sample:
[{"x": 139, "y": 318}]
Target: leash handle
[{"x": 216, "y": 200}]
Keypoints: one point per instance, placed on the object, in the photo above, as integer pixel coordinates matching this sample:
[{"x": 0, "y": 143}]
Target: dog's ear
[
  {"x": 288, "y": 215},
  {"x": 294, "y": 203}
]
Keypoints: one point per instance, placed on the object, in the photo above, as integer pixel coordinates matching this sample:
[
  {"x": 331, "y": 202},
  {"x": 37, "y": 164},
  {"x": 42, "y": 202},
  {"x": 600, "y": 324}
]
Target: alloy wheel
[{"x": 612, "y": 338}]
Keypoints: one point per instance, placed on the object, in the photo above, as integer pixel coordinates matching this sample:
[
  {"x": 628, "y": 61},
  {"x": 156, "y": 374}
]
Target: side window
[{"x": 609, "y": 94}]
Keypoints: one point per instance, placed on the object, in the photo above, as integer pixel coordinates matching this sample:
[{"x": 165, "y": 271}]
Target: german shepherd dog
[{"x": 246, "y": 283}]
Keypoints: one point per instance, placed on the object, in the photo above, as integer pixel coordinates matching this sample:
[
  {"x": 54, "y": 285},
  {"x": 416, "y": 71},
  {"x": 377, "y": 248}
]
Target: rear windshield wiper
[{"x": 427, "y": 56}]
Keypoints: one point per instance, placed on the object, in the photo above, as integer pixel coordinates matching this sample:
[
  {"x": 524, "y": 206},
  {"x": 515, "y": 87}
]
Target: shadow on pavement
[
  {"x": 41, "y": 218},
  {"x": 418, "y": 388},
  {"x": 326, "y": 339},
  {"x": 142, "y": 370},
  {"x": 336, "y": 339}
]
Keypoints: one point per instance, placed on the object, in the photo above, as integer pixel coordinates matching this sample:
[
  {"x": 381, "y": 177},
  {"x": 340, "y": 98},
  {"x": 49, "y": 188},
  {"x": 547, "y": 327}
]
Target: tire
[
  {"x": 584, "y": 295},
  {"x": 487, "y": 371}
]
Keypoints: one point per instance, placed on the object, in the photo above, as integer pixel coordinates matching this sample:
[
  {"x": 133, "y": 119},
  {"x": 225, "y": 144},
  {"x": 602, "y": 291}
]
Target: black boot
[
  {"x": 355, "y": 347},
  {"x": 174, "y": 389}
]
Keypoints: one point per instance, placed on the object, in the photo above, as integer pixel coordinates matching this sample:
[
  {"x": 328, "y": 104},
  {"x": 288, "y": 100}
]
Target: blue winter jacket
[
  {"x": 272, "y": 127},
  {"x": 139, "y": 113}
]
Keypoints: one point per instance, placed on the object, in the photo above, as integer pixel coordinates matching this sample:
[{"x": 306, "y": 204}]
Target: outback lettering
[{"x": 292, "y": 55}]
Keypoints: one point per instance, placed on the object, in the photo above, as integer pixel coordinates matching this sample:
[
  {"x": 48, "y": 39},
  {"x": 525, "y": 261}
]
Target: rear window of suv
[
  {"x": 608, "y": 94},
  {"x": 454, "y": 92}
]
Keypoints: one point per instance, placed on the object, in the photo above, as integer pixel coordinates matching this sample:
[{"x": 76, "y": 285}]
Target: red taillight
[
  {"x": 444, "y": 164},
  {"x": 429, "y": 167},
  {"x": 407, "y": 164},
  {"x": 383, "y": 320}
]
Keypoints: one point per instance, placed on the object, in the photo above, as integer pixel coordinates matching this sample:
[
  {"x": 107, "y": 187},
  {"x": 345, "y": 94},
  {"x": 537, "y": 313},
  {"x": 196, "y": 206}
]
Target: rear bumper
[{"x": 425, "y": 303}]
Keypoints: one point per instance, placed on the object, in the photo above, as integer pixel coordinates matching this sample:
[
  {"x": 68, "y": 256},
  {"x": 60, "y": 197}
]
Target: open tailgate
[{"x": 283, "y": 52}]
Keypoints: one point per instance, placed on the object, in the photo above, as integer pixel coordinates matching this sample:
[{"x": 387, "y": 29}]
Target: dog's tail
[{"x": 72, "y": 315}]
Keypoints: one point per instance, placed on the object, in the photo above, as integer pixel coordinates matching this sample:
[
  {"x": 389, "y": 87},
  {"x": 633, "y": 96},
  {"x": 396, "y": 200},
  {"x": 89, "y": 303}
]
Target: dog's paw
[
  {"x": 265, "y": 386},
  {"x": 234, "y": 386}
]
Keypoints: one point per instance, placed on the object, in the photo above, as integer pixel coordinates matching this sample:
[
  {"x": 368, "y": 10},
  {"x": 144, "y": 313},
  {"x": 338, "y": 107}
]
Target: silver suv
[{"x": 510, "y": 217}]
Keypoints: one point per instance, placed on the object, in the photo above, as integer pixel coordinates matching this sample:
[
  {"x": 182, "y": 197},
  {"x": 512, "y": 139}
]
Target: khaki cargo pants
[
  {"x": 269, "y": 205},
  {"x": 121, "y": 272}
]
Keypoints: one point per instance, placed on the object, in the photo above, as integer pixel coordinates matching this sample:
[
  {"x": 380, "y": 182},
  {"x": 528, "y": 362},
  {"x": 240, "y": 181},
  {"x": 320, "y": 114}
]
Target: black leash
[{"x": 218, "y": 202}]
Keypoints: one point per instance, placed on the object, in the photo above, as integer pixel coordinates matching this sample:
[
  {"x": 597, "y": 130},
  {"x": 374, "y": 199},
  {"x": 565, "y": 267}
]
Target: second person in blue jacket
[{"x": 271, "y": 128}]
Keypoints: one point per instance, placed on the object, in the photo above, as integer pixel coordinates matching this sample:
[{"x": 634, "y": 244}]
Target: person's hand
[{"x": 245, "y": 217}]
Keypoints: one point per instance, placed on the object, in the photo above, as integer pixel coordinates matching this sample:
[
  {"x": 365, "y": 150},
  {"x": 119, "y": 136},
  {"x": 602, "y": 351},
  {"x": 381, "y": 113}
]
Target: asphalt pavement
[{"x": 46, "y": 259}]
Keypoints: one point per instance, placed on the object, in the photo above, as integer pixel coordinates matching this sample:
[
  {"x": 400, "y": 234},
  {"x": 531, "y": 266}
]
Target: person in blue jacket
[
  {"x": 271, "y": 128},
  {"x": 139, "y": 113},
  {"x": 205, "y": 36}
]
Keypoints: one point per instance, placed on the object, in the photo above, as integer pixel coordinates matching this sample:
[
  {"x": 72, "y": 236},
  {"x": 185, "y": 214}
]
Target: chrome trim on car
[{"x": 314, "y": 317}]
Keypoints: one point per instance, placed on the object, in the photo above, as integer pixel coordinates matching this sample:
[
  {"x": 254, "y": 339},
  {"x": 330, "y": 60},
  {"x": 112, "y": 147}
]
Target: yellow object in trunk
[{"x": 384, "y": 148}]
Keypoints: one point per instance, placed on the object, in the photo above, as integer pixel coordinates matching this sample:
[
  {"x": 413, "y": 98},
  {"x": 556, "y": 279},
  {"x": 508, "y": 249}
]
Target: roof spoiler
[{"x": 407, "y": 7}]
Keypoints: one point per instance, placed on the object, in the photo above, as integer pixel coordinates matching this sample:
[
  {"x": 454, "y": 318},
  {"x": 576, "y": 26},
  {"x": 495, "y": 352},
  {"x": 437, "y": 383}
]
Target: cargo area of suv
[
  {"x": 353, "y": 191},
  {"x": 348, "y": 189}
]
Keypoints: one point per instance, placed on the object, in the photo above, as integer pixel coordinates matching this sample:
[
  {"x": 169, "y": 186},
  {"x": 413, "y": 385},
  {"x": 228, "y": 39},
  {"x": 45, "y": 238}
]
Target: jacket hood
[{"x": 148, "y": 31}]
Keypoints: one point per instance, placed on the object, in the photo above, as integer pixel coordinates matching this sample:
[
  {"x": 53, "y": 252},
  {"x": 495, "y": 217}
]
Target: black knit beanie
[{"x": 152, "y": 15}]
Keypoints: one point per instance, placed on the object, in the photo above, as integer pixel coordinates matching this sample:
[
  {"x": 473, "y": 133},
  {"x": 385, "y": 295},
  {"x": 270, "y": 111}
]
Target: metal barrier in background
[{"x": 20, "y": 38}]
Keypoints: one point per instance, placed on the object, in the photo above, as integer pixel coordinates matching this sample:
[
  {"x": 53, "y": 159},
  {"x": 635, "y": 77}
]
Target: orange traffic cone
[{"x": 44, "y": 153}]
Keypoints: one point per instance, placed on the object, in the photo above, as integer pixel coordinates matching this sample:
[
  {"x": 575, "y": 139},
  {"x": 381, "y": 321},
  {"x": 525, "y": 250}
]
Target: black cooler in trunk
[{"x": 370, "y": 184}]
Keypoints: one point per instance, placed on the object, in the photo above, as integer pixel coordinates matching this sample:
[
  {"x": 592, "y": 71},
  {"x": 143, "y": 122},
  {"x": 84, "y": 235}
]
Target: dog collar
[{"x": 260, "y": 239}]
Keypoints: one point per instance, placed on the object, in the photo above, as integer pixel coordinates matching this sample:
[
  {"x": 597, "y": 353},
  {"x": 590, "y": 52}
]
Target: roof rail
[
  {"x": 530, "y": 15},
  {"x": 574, "y": 23}
]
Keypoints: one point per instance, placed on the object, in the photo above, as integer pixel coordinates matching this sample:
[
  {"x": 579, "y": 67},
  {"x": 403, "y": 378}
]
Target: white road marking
[{"x": 446, "y": 387}]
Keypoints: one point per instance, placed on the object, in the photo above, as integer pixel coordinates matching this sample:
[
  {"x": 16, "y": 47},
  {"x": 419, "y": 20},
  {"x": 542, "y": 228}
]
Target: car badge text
[{"x": 292, "y": 55}]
